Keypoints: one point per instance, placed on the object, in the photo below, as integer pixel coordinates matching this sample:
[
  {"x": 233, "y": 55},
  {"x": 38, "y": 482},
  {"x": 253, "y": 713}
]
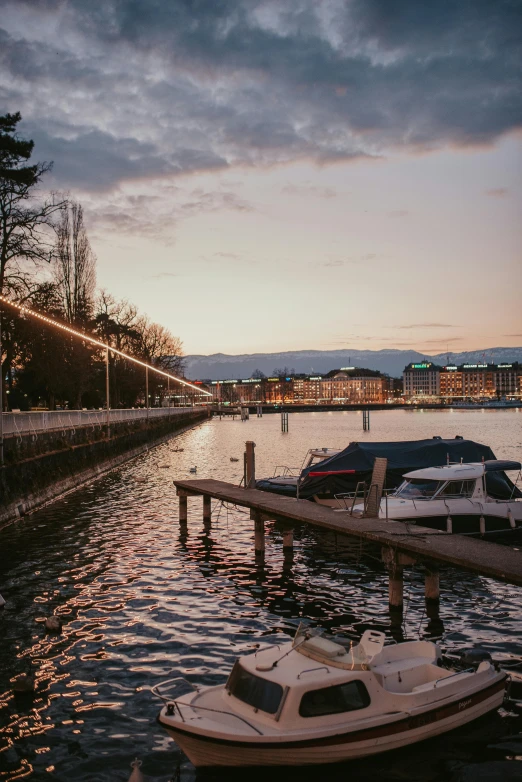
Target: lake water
[{"x": 141, "y": 602}]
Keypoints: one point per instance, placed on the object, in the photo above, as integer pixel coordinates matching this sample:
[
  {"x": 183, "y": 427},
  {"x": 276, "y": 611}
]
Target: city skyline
[{"x": 258, "y": 178}]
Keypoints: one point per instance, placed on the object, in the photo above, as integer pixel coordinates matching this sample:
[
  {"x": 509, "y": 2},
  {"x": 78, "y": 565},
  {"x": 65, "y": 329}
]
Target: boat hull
[{"x": 208, "y": 751}]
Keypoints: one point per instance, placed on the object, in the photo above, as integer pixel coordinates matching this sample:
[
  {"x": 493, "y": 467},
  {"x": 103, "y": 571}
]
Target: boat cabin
[
  {"x": 452, "y": 481},
  {"x": 319, "y": 682}
]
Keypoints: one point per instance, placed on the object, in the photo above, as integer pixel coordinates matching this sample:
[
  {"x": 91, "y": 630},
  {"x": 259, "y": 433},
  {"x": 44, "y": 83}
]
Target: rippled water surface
[{"x": 141, "y": 602}]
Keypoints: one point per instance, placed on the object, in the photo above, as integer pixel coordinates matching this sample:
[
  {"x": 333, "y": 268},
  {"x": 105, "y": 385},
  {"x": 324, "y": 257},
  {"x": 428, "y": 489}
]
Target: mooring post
[
  {"x": 284, "y": 421},
  {"x": 431, "y": 586},
  {"x": 183, "y": 507},
  {"x": 250, "y": 465},
  {"x": 207, "y": 509}
]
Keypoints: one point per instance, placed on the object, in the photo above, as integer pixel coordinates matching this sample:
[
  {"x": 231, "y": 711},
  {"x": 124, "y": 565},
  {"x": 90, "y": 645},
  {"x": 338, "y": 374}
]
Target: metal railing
[{"x": 18, "y": 423}]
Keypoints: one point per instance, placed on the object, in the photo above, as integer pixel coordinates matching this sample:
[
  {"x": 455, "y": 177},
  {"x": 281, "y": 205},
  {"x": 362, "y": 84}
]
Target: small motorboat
[
  {"x": 286, "y": 479},
  {"x": 457, "y": 498},
  {"x": 316, "y": 701}
]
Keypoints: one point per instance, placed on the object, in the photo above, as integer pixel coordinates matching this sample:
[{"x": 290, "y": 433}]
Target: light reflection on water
[{"x": 141, "y": 602}]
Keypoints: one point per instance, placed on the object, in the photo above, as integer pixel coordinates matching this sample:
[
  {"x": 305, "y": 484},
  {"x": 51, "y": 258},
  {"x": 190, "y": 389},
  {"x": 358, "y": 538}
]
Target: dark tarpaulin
[{"x": 402, "y": 457}]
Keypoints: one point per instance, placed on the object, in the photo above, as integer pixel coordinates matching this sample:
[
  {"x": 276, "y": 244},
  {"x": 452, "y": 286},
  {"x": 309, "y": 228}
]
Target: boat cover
[{"x": 342, "y": 473}]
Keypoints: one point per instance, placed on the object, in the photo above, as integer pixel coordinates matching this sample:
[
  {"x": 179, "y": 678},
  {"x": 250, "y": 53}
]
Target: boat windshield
[
  {"x": 253, "y": 690},
  {"x": 419, "y": 488},
  {"x": 458, "y": 489}
]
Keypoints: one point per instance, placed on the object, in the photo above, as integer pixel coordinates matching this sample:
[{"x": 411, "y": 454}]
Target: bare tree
[
  {"x": 75, "y": 268},
  {"x": 75, "y": 279},
  {"x": 161, "y": 348}
]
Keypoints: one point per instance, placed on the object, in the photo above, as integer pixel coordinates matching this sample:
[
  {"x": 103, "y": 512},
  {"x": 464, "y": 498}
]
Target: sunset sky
[{"x": 282, "y": 175}]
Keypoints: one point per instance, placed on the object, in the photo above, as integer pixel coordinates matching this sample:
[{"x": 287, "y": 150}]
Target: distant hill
[{"x": 221, "y": 366}]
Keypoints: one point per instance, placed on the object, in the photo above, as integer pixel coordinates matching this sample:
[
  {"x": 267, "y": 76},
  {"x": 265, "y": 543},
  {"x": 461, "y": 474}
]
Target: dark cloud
[
  {"x": 156, "y": 214},
  {"x": 128, "y": 89}
]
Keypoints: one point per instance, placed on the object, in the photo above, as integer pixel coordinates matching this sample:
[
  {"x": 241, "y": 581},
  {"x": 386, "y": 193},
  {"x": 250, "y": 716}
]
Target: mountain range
[{"x": 221, "y": 366}]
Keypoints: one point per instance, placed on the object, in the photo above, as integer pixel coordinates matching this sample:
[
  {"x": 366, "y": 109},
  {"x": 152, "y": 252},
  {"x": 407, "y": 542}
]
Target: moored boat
[
  {"x": 455, "y": 498},
  {"x": 316, "y": 701},
  {"x": 285, "y": 479}
]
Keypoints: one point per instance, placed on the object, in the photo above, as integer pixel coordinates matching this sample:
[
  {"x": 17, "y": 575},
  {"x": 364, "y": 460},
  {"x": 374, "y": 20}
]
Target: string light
[{"x": 86, "y": 338}]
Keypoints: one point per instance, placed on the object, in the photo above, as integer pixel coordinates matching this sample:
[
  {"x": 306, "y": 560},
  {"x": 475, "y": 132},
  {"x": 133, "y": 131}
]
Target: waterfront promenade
[{"x": 22, "y": 422}]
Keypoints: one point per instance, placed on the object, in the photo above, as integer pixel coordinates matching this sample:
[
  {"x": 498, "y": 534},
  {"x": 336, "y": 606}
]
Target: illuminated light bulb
[{"x": 26, "y": 311}]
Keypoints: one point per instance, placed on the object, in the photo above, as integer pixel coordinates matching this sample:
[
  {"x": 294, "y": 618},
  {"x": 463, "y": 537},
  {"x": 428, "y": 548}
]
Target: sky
[{"x": 261, "y": 176}]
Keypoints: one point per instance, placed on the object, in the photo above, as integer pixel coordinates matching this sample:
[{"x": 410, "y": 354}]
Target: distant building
[
  {"x": 421, "y": 380},
  {"x": 452, "y": 383},
  {"x": 349, "y": 385}
]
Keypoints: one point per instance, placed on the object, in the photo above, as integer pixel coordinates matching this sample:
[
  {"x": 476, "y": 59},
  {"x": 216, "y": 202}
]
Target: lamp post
[
  {"x": 147, "y": 390},
  {"x": 107, "y": 396},
  {"x": 1, "y": 399}
]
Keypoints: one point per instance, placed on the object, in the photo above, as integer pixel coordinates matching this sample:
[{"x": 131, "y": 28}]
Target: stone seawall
[{"x": 37, "y": 471}]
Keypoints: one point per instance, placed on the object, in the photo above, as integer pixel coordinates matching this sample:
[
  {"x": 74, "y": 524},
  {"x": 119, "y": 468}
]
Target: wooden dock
[{"x": 402, "y": 544}]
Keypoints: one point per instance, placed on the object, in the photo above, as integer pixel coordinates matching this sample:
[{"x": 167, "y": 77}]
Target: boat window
[
  {"x": 458, "y": 489},
  {"x": 334, "y": 700},
  {"x": 418, "y": 487},
  {"x": 253, "y": 690}
]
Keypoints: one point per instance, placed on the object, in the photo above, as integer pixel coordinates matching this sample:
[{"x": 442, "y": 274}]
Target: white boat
[
  {"x": 455, "y": 498},
  {"x": 316, "y": 701},
  {"x": 285, "y": 479}
]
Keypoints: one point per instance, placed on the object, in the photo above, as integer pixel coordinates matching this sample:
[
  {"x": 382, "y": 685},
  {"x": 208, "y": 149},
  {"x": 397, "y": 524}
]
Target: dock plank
[{"x": 479, "y": 556}]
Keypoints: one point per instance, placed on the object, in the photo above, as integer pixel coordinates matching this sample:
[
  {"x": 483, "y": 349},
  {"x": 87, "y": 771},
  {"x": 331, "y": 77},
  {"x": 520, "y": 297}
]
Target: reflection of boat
[
  {"x": 285, "y": 479},
  {"x": 455, "y": 498},
  {"x": 317, "y": 701}
]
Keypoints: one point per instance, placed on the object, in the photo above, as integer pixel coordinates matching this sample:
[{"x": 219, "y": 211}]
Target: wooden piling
[
  {"x": 396, "y": 588},
  {"x": 432, "y": 586},
  {"x": 250, "y": 465},
  {"x": 395, "y": 563},
  {"x": 259, "y": 532},
  {"x": 183, "y": 508},
  {"x": 288, "y": 540},
  {"x": 207, "y": 508}
]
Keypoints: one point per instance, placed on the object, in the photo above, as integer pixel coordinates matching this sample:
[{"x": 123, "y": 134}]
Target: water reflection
[{"x": 143, "y": 598}]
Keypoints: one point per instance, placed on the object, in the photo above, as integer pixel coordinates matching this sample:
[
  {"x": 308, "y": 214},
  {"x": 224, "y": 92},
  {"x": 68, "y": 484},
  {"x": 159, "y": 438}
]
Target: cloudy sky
[{"x": 287, "y": 174}]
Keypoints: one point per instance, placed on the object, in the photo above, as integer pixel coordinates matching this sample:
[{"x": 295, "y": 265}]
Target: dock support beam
[
  {"x": 396, "y": 588},
  {"x": 183, "y": 508},
  {"x": 395, "y": 563},
  {"x": 207, "y": 508},
  {"x": 432, "y": 587},
  {"x": 259, "y": 532},
  {"x": 288, "y": 541}
]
